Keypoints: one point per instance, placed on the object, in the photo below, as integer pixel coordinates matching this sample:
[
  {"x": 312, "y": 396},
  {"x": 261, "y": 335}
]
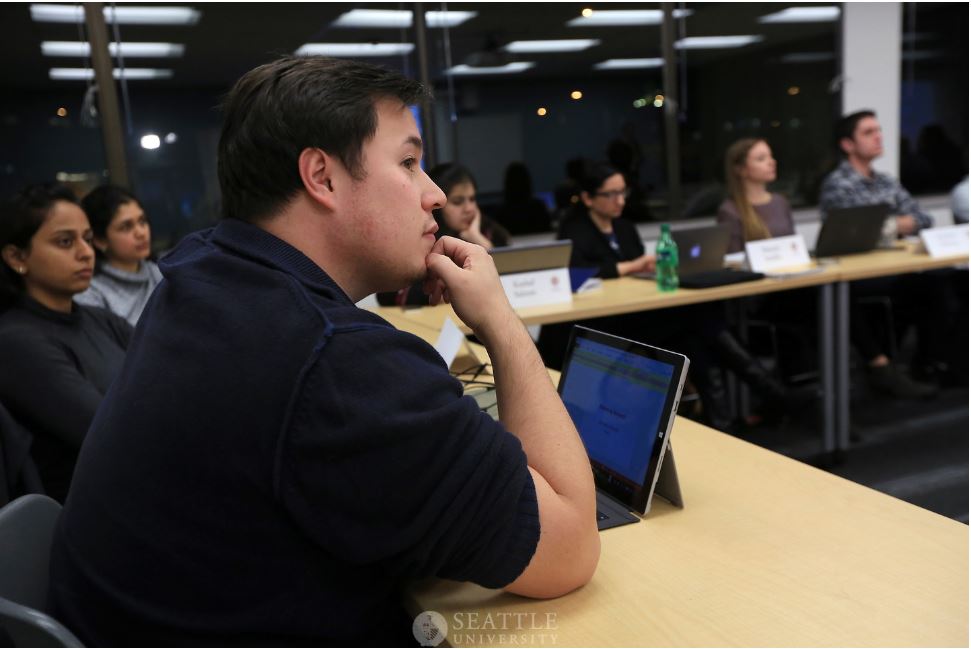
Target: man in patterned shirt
[
  {"x": 854, "y": 182},
  {"x": 921, "y": 298}
]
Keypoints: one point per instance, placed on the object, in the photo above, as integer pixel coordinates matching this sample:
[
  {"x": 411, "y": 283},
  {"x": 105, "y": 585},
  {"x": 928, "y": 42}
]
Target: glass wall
[{"x": 504, "y": 95}]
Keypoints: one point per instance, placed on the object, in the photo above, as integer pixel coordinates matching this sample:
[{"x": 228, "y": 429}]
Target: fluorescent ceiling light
[
  {"x": 125, "y": 15},
  {"x": 807, "y": 57},
  {"x": 509, "y": 68},
  {"x": 803, "y": 15},
  {"x": 628, "y": 64},
  {"x": 355, "y": 49},
  {"x": 83, "y": 74},
  {"x": 566, "y": 45},
  {"x": 400, "y": 18},
  {"x": 715, "y": 42},
  {"x": 623, "y": 17},
  {"x": 131, "y": 50}
]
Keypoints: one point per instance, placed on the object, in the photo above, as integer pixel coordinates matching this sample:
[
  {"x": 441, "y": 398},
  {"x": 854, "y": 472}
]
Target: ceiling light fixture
[
  {"x": 624, "y": 17},
  {"x": 716, "y": 42},
  {"x": 509, "y": 68},
  {"x": 131, "y": 74},
  {"x": 128, "y": 50},
  {"x": 628, "y": 64},
  {"x": 561, "y": 45},
  {"x": 355, "y": 49},
  {"x": 803, "y": 15},
  {"x": 125, "y": 15},
  {"x": 400, "y": 18}
]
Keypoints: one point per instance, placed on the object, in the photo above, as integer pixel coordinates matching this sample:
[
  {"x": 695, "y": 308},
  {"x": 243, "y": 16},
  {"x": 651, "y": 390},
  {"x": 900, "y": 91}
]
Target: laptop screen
[{"x": 620, "y": 395}]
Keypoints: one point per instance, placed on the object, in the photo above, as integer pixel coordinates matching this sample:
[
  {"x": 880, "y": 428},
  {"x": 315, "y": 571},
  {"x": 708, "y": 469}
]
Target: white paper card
[
  {"x": 450, "y": 341},
  {"x": 780, "y": 253},
  {"x": 947, "y": 241},
  {"x": 538, "y": 287}
]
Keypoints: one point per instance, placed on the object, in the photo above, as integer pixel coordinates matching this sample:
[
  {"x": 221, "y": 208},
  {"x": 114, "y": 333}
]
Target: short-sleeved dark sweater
[
  {"x": 54, "y": 370},
  {"x": 274, "y": 465}
]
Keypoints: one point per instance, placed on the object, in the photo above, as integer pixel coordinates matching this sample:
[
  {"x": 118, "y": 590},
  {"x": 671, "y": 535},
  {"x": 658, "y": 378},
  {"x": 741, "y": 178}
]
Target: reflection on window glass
[{"x": 934, "y": 97}]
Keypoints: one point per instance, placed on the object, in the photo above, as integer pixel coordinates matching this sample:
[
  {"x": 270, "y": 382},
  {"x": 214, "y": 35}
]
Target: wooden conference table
[
  {"x": 767, "y": 552},
  {"x": 630, "y": 295}
]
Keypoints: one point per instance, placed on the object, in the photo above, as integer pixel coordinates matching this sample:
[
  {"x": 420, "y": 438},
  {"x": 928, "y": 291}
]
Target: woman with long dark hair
[{"x": 59, "y": 357}]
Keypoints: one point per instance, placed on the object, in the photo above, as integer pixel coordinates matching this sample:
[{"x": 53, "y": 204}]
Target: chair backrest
[
  {"x": 21, "y": 626},
  {"x": 26, "y": 531}
]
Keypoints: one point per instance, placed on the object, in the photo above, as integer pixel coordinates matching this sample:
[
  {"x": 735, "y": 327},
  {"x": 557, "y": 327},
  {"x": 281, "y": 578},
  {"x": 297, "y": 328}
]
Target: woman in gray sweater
[
  {"x": 751, "y": 212},
  {"x": 125, "y": 277}
]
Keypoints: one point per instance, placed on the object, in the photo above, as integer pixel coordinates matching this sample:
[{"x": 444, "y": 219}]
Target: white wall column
[{"x": 872, "y": 35}]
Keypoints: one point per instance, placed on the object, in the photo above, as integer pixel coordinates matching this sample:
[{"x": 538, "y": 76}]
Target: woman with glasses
[
  {"x": 601, "y": 237},
  {"x": 58, "y": 357}
]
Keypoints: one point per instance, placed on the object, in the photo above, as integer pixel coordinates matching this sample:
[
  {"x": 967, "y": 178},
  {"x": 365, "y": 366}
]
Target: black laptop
[
  {"x": 622, "y": 396},
  {"x": 701, "y": 258},
  {"x": 851, "y": 230}
]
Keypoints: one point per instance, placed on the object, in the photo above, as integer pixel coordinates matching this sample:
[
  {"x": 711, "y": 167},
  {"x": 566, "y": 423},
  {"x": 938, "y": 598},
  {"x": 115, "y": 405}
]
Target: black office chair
[{"x": 26, "y": 532}]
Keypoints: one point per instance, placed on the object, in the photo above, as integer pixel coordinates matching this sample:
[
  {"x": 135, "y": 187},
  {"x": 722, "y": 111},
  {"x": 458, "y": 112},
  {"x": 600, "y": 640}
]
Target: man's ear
[
  {"x": 317, "y": 173},
  {"x": 847, "y": 145}
]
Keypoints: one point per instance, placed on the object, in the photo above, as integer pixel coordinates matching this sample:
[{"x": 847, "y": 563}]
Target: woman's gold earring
[{"x": 21, "y": 270}]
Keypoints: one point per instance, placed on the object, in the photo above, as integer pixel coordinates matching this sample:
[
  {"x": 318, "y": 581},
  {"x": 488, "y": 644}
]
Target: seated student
[
  {"x": 460, "y": 216},
  {"x": 602, "y": 238},
  {"x": 521, "y": 212},
  {"x": 58, "y": 357},
  {"x": 275, "y": 466},
  {"x": 751, "y": 212},
  {"x": 124, "y": 276},
  {"x": 923, "y": 298}
]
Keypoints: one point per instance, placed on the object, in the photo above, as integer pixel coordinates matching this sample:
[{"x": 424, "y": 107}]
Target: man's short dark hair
[
  {"x": 847, "y": 126},
  {"x": 277, "y": 110}
]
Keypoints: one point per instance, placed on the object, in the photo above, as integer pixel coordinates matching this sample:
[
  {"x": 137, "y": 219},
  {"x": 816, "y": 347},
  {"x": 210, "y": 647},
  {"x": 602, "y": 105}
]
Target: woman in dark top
[
  {"x": 601, "y": 237},
  {"x": 59, "y": 358},
  {"x": 461, "y": 216},
  {"x": 751, "y": 211}
]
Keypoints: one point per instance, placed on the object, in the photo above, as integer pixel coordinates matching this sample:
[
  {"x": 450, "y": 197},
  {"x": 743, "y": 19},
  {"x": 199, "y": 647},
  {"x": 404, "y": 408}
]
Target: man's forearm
[{"x": 531, "y": 409}]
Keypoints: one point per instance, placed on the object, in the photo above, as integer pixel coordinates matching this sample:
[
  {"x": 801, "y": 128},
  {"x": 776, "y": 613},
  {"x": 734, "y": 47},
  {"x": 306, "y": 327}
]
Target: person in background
[
  {"x": 751, "y": 211},
  {"x": 921, "y": 298},
  {"x": 521, "y": 212},
  {"x": 58, "y": 357},
  {"x": 124, "y": 276},
  {"x": 601, "y": 237},
  {"x": 959, "y": 202},
  {"x": 460, "y": 216}
]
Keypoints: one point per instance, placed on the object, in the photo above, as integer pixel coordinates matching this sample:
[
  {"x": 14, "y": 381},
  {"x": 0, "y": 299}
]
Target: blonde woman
[{"x": 751, "y": 212}]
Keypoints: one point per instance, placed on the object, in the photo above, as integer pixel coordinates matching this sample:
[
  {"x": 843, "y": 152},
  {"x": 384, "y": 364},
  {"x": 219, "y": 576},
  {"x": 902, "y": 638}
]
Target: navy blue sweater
[{"x": 273, "y": 466}]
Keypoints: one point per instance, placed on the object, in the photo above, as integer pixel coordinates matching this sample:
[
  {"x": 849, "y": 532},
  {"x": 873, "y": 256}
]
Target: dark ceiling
[{"x": 231, "y": 38}]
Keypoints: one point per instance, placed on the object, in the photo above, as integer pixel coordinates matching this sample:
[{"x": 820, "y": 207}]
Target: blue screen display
[{"x": 616, "y": 400}]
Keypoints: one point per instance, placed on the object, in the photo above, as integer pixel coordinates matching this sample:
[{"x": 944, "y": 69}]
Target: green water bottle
[{"x": 667, "y": 261}]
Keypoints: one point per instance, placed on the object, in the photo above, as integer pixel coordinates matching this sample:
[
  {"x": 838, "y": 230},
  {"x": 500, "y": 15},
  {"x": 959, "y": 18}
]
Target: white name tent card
[
  {"x": 538, "y": 287},
  {"x": 450, "y": 341},
  {"x": 778, "y": 256},
  {"x": 948, "y": 241}
]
